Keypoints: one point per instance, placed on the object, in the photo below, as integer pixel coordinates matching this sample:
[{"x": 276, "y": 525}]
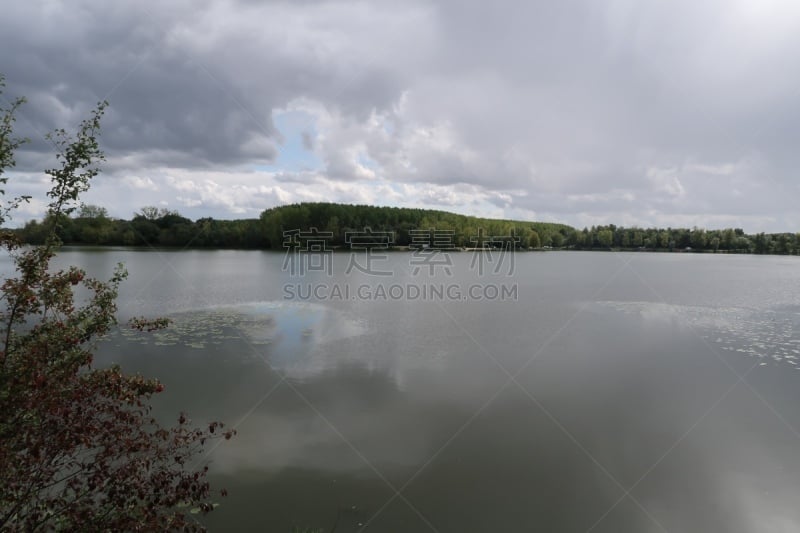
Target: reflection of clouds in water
[
  {"x": 302, "y": 339},
  {"x": 296, "y": 338},
  {"x": 275, "y": 441},
  {"x": 769, "y": 334},
  {"x": 315, "y": 324},
  {"x": 759, "y": 508},
  {"x": 350, "y": 377},
  {"x": 358, "y": 407}
]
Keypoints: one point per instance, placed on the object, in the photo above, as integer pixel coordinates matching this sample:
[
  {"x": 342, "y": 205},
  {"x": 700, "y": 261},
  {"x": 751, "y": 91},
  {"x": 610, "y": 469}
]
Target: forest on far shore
[{"x": 151, "y": 226}]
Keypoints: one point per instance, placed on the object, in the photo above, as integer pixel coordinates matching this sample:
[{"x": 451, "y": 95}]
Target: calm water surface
[{"x": 619, "y": 392}]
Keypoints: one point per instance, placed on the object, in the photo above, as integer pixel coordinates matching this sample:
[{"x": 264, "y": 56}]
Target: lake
[{"x": 593, "y": 391}]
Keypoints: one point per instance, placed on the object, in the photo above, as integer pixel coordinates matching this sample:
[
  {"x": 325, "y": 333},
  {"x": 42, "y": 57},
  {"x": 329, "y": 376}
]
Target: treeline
[
  {"x": 149, "y": 227},
  {"x": 159, "y": 227},
  {"x": 467, "y": 231},
  {"x": 682, "y": 239}
]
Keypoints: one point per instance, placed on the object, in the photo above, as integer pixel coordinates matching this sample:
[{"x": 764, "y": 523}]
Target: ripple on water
[{"x": 769, "y": 334}]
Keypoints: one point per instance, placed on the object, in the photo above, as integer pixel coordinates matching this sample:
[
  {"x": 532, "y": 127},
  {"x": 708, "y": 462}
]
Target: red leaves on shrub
[{"x": 78, "y": 447}]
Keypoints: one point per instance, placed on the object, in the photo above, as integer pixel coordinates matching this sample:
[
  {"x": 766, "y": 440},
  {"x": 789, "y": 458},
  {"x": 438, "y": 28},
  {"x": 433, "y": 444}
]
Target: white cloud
[
  {"x": 665, "y": 180},
  {"x": 138, "y": 182}
]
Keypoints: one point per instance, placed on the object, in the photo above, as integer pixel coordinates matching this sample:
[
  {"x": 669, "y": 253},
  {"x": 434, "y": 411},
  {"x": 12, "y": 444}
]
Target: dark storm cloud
[
  {"x": 187, "y": 86},
  {"x": 161, "y": 100}
]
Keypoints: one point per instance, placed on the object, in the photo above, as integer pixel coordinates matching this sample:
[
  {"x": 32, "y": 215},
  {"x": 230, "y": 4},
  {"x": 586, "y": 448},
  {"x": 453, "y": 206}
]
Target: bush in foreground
[{"x": 79, "y": 448}]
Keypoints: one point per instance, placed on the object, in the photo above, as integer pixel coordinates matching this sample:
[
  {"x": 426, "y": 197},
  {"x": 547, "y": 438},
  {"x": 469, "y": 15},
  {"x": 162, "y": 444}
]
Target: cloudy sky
[{"x": 642, "y": 112}]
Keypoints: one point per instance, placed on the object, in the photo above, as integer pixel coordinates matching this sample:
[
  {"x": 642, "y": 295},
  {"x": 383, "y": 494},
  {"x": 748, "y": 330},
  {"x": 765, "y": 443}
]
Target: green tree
[
  {"x": 585, "y": 238},
  {"x": 154, "y": 213},
  {"x": 92, "y": 211},
  {"x": 625, "y": 239},
  {"x": 782, "y": 245},
  {"x": 743, "y": 244},
  {"x": 605, "y": 237},
  {"x": 79, "y": 449},
  {"x": 698, "y": 239},
  {"x": 533, "y": 240},
  {"x": 728, "y": 237},
  {"x": 761, "y": 243},
  {"x": 664, "y": 239}
]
